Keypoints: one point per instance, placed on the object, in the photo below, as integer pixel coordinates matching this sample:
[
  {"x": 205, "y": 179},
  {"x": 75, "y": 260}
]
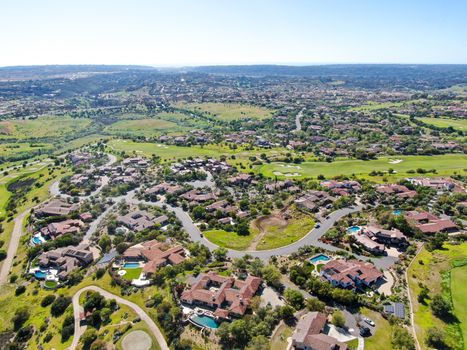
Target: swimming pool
[
  {"x": 133, "y": 265},
  {"x": 36, "y": 240},
  {"x": 320, "y": 257},
  {"x": 397, "y": 212},
  {"x": 354, "y": 229},
  {"x": 205, "y": 321},
  {"x": 41, "y": 275}
]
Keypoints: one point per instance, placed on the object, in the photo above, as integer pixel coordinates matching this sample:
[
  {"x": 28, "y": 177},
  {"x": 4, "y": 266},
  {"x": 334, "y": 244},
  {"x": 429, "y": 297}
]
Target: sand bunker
[{"x": 395, "y": 161}]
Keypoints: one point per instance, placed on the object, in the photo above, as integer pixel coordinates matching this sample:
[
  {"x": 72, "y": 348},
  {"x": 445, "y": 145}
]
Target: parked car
[
  {"x": 317, "y": 225},
  {"x": 370, "y": 322},
  {"x": 365, "y": 331}
]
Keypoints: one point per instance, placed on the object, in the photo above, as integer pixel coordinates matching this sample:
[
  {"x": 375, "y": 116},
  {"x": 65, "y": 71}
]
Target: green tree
[
  {"x": 259, "y": 342},
  {"x": 105, "y": 243},
  {"x": 271, "y": 275},
  {"x": 314, "y": 304},
  {"x": 440, "y": 306},
  {"x": 220, "y": 254},
  {"x": 338, "y": 319},
  {"x": 294, "y": 298},
  {"x": 243, "y": 229},
  {"x": 401, "y": 339},
  {"x": 20, "y": 317}
]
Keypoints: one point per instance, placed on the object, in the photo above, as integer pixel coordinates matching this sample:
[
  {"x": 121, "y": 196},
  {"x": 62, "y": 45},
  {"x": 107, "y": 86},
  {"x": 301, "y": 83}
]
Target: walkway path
[
  {"x": 412, "y": 320},
  {"x": 79, "y": 330},
  {"x": 12, "y": 247}
]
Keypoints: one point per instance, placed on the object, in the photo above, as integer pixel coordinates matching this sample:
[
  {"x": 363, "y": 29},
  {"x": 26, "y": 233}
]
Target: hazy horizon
[{"x": 219, "y": 32}]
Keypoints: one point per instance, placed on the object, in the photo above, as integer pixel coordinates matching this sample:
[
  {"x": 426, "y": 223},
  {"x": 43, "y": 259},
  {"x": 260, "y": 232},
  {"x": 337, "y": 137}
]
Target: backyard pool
[
  {"x": 204, "y": 321},
  {"x": 354, "y": 229},
  {"x": 320, "y": 257},
  {"x": 133, "y": 265},
  {"x": 41, "y": 275},
  {"x": 397, "y": 212}
]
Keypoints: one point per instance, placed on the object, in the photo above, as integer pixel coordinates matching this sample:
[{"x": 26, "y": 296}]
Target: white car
[{"x": 370, "y": 322}]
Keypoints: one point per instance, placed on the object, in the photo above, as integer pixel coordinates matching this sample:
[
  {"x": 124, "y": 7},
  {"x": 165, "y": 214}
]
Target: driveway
[{"x": 79, "y": 330}]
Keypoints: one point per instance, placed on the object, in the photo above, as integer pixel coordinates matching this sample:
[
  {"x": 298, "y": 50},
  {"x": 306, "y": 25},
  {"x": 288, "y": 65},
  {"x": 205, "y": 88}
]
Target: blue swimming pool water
[
  {"x": 36, "y": 240},
  {"x": 205, "y": 321},
  {"x": 320, "y": 257},
  {"x": 131, "y": 265},
  {"x": 40, "y": 275},
  {"x": 397, "y": 212},
  {"x": 354, "y": 229}
]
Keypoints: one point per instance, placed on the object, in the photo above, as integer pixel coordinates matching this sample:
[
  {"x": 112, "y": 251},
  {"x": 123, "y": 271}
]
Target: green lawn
[
  {"x": 428, "y": 269},
  {"x": 459, "y": 296},
  {"x": 229, "y": 240},
  {"x": 381, "y": 340},
  {"x": 171, "y": 153},
  {"x": 458, "y": 124},
  {"x": 142, "y": 127},
  {"x": 228, "y": 111},
  {"x": 132, "y": 274},
  {"x": 444, "y": 164}
]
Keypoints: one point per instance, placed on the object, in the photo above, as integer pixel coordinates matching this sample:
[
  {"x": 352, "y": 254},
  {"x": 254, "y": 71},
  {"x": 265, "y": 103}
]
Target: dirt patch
[
  {"x": 137, "y": 340},
  {"x": 263, "y": 223},
  {"x": 6, "y": 128}
]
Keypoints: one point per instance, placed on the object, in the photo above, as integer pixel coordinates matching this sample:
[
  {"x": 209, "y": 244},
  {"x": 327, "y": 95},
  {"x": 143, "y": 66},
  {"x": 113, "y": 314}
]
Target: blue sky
[{"x": 184, "y": 32}]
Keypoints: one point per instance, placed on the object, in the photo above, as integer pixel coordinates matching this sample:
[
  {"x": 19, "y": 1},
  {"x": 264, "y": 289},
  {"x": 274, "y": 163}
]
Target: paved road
[
  {"x": 54, "y": 189},
  {"x": 311, "y": 238},
  {"x": 12, "y": 247},
  {"x": 298, "y": 124},
  {"x": 79, "y": 330}
]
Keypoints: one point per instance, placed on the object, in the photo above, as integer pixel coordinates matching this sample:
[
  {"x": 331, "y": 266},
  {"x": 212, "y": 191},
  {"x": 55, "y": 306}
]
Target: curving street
[{"x": 79, "y": 330}]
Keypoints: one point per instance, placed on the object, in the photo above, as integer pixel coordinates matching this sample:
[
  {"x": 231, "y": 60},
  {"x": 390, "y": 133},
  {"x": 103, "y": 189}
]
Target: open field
[
  {"x": 4, "y": 196},
  {"x": 142, "y": 127},
  {"x": 444, "y": 164},
  {"x": 374, "y": 106},
  {"x": 228, "y": 111},
  {"x": 229, "y": 240},
  {"x": 459, "y": 296},
  {"x": 185, "y": 120},
  {"x": 432, "y": 269},
  {"x": 276, "y": 231},
  {"x": 458, "y": 124},
  {"x": 43, "y": 127},
  {"x": 8, "y": 149}
]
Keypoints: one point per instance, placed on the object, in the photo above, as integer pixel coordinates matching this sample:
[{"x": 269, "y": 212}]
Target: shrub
[
  {"x": 20, "y": 290},
  {"x": 20, "y": 317},
  {"x": 47, "y": 300}
]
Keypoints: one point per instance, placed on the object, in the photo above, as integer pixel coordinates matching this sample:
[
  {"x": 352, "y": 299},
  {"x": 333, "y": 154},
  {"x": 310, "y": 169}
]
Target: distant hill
[
  {"x": 349, "y": 70},
  {"x": 62, "y": 71}
]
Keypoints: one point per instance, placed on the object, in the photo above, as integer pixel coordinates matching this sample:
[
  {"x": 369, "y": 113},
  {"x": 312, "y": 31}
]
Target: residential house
[
  {"x": 308, "y": 335},
  {"x": 56, "y": 207},
  {"x": 351, "y": 274},
  {"x": 229, "y": 296},
  {"x": 140, "y": 220}
]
